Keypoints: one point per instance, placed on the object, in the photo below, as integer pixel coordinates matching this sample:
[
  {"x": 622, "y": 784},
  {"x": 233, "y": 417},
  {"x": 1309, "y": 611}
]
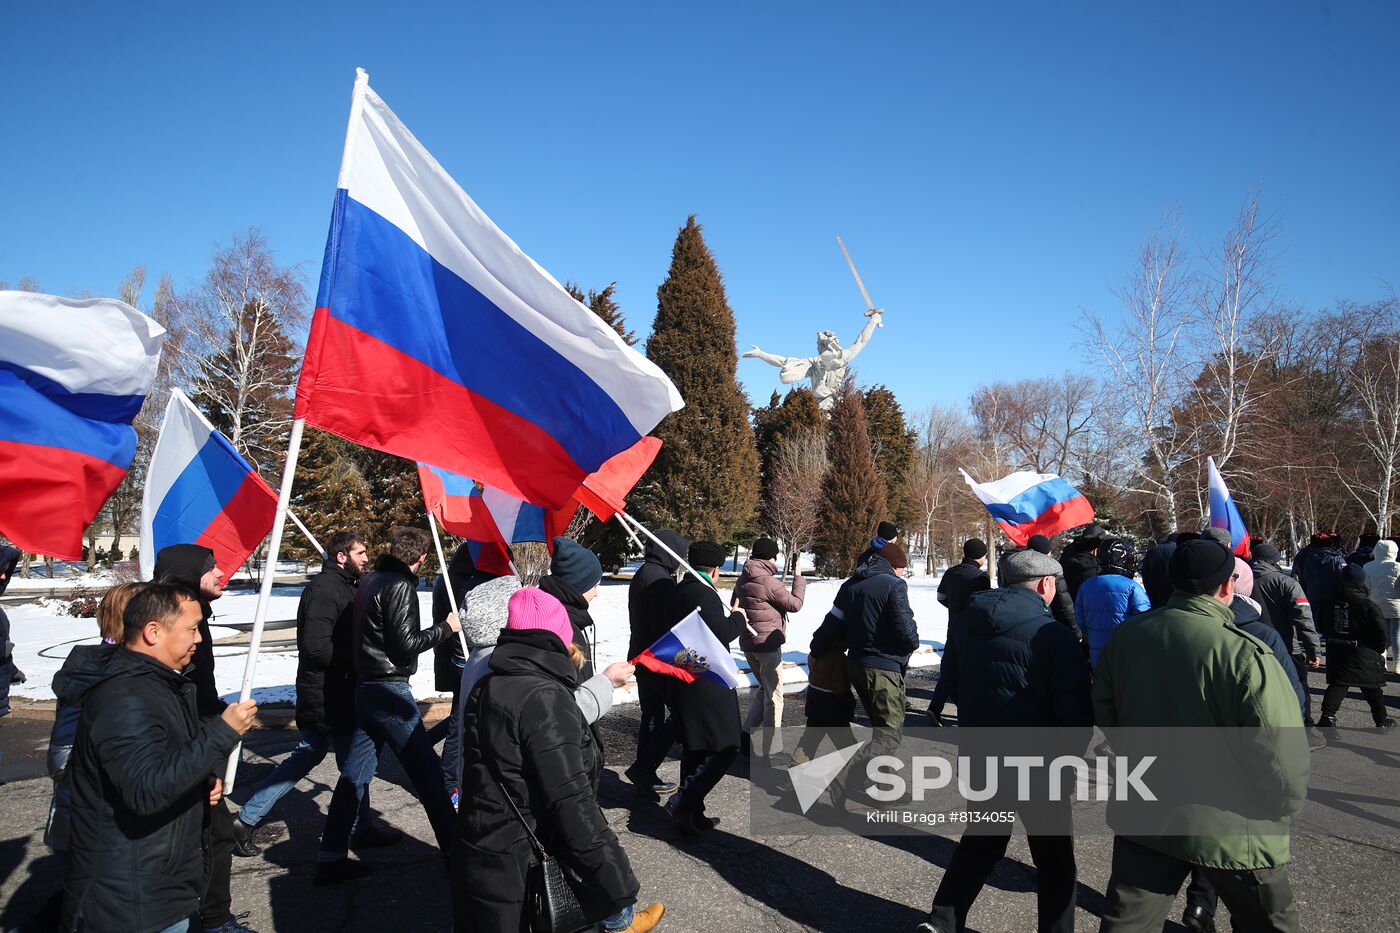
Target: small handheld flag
[
  {"x": 691, "y": 652},
  {"x": 199, "y": 490},
  {"x": 1223, "y": 513},
  {"x": 1026, "y": 504}
]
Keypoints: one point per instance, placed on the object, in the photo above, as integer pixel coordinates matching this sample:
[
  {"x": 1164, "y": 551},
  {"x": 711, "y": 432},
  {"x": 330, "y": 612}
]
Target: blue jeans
[
  {"x": 620, "y": 920},
  {"x": 309, "y": 753},
  {"x": 179, "y": 926},
  {"x": 388, "y": 714}
]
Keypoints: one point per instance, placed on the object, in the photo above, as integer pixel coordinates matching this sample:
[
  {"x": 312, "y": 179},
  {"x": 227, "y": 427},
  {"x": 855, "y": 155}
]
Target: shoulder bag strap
[{"x": 540, "y": 852}]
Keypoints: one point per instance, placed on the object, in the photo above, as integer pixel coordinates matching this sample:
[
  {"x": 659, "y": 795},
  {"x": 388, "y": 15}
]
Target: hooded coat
[
  {"x": 185, "y": 564},
  {"x": 762, "y": 595},
  {"x": 1356, "y": 638},
  {"x": 646, "y": 594},
  {"x": 140, "y": 781},
  {"x": 1383, "y": 580},
  {"x": 523, "y": 735},
  {"x": 707, "y": 713}
]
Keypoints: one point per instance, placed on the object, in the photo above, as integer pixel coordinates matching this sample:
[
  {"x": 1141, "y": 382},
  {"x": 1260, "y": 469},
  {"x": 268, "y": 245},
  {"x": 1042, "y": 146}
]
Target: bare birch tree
[
  {"x": 796, "y": 489},
  {"x": 1373, "y": 379},
  {"x": 945, "y": 441}
]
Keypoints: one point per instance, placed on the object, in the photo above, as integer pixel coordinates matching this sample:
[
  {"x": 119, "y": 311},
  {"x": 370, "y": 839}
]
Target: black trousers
[
  {"x": 657, "y": 732},
  {"x": 216, "y": 900},
  {"x": 700, "y": 772},
  {"x": 972, "y": 864},
  {"x": 1144, "y": 882},
  {"x": 1375, "y": 696}
]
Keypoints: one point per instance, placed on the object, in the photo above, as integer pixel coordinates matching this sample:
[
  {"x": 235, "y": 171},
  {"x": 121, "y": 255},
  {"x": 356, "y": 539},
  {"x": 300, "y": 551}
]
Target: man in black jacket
[
  {"x": 1156, "y": 579},
  {"x": 193, "y": 567},
  {"x": 9, "y": 673},
  {"x": 1288, "y": 608},
  {"x": 387, "y": 643},
  {"x": 1013, "y": 665},
  {"x": 880, "y": 634},
  {"x": 325, "y": 693},
  {"x": 707, "y": 713},
  {"x": 961, "y": 580},
  {"x": 1080, "y": 559},
  {"x": 142, "y": 779},
  {"x": 646, "y": 596}
]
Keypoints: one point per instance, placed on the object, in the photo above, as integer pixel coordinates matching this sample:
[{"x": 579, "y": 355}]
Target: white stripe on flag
[
  {"x": 97, "y": 345},
  {"x": 183, "y": 431}
]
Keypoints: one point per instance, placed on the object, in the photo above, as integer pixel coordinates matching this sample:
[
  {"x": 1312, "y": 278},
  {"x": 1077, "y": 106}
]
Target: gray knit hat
[
  {"x": 487, "y": 606},
  {"x": 1027, "y": 564}
]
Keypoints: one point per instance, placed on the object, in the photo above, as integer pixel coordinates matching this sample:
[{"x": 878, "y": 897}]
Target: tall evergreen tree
[
  {"x": 853, "y": 496},
  {"x": 797, "y": 411},
  {"x": 892, "y": 445},
  {"x": 705, "y": 480},
  {"x": 331, "y": 493}
]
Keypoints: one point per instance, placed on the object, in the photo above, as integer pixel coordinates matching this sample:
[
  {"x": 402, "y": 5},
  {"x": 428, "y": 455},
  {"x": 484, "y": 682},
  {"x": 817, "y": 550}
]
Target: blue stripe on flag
[
  {"x": 1031, "y": 504},
  {"x": 388, "y": 287},
  {"x": 455, "y": 484},
  {"x": 202, "y": 490},
  {"x": 94, "y": 406},
  {"x": 529, "y": 523},
  {"x": 31, "y": 417},
  {"x": 667, "y": 647}
]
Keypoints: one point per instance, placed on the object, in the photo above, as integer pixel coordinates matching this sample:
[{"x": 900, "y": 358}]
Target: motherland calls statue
[{"x": 827, "y": 369}]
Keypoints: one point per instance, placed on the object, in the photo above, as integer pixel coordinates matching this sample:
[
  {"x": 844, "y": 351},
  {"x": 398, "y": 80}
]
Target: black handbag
[{"x": 551, "y": 906}]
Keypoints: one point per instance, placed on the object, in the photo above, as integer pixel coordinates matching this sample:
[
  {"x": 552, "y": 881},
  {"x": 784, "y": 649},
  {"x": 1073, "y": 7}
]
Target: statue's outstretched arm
[
  {"x": 771, "y": 358},
  {"x": 851, "y": 352}
]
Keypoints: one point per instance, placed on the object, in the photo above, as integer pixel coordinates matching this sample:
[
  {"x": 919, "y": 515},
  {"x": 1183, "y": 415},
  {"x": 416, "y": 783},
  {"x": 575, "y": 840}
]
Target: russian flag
[
  {"x": 1026, "y": 504},
  {"x": 459, "y": 506},
  {"x": 1223, "y": 513},
  {"x": 73, "y": 376},
  {"x": 199, "y": 490},
  {"x": 437, "y": 339},
  {"x": 689, "y": 652}
]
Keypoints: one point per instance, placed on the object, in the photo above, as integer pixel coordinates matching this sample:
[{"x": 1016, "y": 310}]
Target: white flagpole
[
  {"x": 447, "y": 581},
  {"x": 284, "y": 496},
  {"x": 662, "y": 544},
  {"x": 309, "y": 536},
  {"x": 274, "y": 548},
  {"x": 630, "y": 533}
]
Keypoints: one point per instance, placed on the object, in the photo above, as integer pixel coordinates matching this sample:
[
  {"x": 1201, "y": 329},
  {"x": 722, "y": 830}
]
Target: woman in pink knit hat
[{"x": 526, "y": 743}]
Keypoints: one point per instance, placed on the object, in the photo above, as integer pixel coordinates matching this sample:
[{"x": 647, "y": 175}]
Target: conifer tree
[
  {"x": 603, "y": 304},
  {"x": 853, "y": 496},
  {"x": 330, "y": 493},
  {"x": 892, "y": 445},
  {"x": 704, "y": 483},
  {"x": 797, "y": 411}
]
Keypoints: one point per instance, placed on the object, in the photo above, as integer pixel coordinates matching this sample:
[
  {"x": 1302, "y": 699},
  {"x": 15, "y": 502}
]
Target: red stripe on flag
[
  {"x": 49, "y": 495},
  {"x": 1061, "y": 516},
  {"x": 652, "y": 663},
  {"x": 366, "y": 391},
  {"x": 244, "y": 522}
]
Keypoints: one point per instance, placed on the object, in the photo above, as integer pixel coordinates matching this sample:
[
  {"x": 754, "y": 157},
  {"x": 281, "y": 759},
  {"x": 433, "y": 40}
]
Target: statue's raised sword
[{"x": 864, "y": 294}]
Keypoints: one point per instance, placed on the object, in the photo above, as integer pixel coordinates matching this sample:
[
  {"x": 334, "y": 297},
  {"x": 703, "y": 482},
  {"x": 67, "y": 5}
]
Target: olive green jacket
[{"x": 1184, "y": 677}]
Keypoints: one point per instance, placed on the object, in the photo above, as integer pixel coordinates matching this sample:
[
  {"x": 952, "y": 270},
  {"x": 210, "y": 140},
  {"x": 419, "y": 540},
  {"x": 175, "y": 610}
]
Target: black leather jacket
[{"x": 388, "y": 640}]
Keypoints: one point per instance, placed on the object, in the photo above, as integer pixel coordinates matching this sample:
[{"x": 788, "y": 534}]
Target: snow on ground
[{"x": 43, "y": 639}]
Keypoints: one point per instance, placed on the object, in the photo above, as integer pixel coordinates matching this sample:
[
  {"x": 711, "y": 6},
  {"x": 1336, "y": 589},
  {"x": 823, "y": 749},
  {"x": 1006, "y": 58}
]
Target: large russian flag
[
  {"x": 199, "y": 490},
  {"x": 436, "y": 338},
  {"x": 689, "y": 652},
  {"x": 1026, "y": 504},
  {"x": 1223, "y": 513},
  {"x": 73, "y": 376}
]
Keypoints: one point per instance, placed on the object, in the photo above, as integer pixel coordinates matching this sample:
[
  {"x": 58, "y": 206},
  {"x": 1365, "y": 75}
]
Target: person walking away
[
  {"x": 9, "y": 671},
  {"x": 388, "y": 643},
  {"x": 1080, "y": 558},
  {"x": 1062, "y": 606},
  {"x": 1187, "y": 665},
  {"x": 1015, "y": 666},
  {"x": 1383, "y": 583},
  {"x": 464, "y": 577},
  {"x": 1290, "y": 612},
  {"x": 1156, "y": 579},
  {"x": 141, "y": 775},
  {"x": 194, "y": 567},
  {"x": 1356, "y": 637},
  {"x": 574, "y": 575},
  {"x": 707, "y": 713},
  {"x": 885, "y": 533},
  {"x": 325, "y": 710},
  {"x": 1107, "y": 600},
  {"x": 531, "y": 768},
  {"x": 958, "y": 585},
  {"x": 646, "y": 596},
  {"x": 1365, "y": 553},
  {"x": 767, "y": 603}
]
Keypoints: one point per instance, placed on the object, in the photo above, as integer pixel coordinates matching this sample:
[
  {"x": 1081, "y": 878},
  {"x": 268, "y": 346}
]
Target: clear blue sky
[{"x": 991, "y": 166}]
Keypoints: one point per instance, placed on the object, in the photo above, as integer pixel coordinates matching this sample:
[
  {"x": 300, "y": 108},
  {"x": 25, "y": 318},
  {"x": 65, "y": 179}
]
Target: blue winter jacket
[{"x": 1104, "y": 603}]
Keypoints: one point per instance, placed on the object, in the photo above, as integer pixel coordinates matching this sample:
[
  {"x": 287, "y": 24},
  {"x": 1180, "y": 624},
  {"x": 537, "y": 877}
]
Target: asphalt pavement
[{"x": 727, "y": 880}]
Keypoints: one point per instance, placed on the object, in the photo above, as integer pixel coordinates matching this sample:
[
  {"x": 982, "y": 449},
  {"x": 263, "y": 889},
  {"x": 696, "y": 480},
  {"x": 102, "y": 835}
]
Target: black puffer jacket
[
  {"x": 1080, "y": 563},
  {"x": 184, "y": 564},
  {"x": 1356, "y": 638},
  {"x": 388, "y": 640},
  {"x": 707, "y": 713},
  {"x": 1287, "y": 608},
  {"x": 1156, "y": 578},
  {"x": 1320, "y": 575},
  {"x": 880, "y": 629},
  {"x": 521, "y": 725},
  {"x": 326, "y": 652},
  {"x": 140, "y": 779},
  {"x": 582, "y": 622},
  {"x": 1012, "y": 664},
  {"x": 83, "y": 669},
  {"x": 646, "y": 593}
]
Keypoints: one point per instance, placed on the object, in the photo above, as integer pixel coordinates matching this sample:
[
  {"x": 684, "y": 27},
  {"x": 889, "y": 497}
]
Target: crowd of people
[{"x": 1206, "y": 639}]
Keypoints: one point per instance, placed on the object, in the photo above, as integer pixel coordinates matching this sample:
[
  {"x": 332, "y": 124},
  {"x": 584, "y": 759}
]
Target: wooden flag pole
[
  {"x": 447, "y": 583},
  {"x": 274, "y": 550}
]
